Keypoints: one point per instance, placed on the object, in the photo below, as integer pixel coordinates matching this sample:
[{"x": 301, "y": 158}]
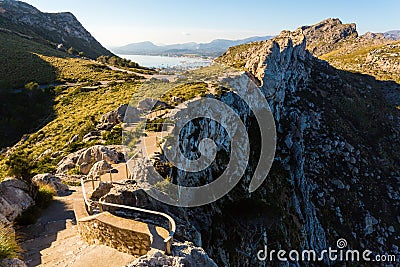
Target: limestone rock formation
[
  {"x": 335, "y": 172},
  {"x": 183, "y": 255},
  {"x": 92, "y": 136},
  {"x": 99, "y": 168},
  {"x": 14, "y": 199},
  {"x": 12, "y": 263},
  {"x": 112, "y": 118},
  {"x": 85, "y": 158},
  {"x": 149, "y": 104},
  {"x": 327, "y": 35},
  {"x": 59, "y": 28}
]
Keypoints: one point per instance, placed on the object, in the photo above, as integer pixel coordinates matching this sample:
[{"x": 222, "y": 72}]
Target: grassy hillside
[
  {"x": 23, "y": 61},
  {"x": 379, "y": 60},
  {"x": 20, "y": 61},
  {"x": 75, "y": 113}
]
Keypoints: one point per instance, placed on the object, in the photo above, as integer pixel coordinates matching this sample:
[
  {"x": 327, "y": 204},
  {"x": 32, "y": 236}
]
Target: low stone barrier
[{"x": 122, "y": 234}]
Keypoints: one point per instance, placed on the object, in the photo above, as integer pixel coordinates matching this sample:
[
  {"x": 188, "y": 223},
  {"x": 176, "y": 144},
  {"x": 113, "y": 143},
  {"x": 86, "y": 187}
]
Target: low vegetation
[
  {"x": 235, "y": 57},
  {"x": 155, "y": 125},
  {"x": 43, "y": 199},
  {"x": 9, "y": 247},
  {"x": 369, "y": 59},
  {"x": 20, "y": 62},
  {"x": 186, "y": 91},
  {"x": 75, "y": 113},
  {"x": 77, "y": 70},
  {"x": 117, "y": 61}
]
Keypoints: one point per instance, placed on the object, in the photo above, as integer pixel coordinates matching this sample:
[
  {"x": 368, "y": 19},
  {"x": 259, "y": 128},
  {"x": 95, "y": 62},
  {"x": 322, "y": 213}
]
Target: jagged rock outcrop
[
  {"x": 84, "y": 159},
  {"x": 92, "y": 136},
  {"x": 375, "y": 54},
  {"x": 12, "y": 263},
  {"x": 328, "y": 35},
  {"x": 112, "y": 118},
  {"x": 14, "y": 199},
  {"x": 335, "y": 172},
  {"x": 56, "y": 28},
  {"x": 99, "y": 168},
  {"x": 183, "y": 255},
  {"x": 329, "y": 143}
]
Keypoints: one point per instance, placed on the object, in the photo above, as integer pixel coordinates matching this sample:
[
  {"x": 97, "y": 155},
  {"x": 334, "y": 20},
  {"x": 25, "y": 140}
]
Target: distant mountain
[
  {"x": 395, "y": 35},
  {"x": 48, "y": 28},
  {"x": 215, "y": 48}
]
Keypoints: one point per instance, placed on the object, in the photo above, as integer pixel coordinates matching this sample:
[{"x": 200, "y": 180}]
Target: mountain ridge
[
  {"x": 214, "y": 48},
  {"x": 55, "y": 29}
]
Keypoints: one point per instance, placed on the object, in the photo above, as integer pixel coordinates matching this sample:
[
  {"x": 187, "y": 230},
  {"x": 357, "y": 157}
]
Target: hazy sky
[{"x": 120, "y": 22}]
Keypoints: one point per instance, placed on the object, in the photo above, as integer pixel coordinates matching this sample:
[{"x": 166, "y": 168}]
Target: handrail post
[
  {"x": 101, "y": 207},
  {"x": 126, "y": 170},
  {"x": 92, "y": 182},
  {"x": 111, "y": 180},
  {"x": 168, "y": 247}
]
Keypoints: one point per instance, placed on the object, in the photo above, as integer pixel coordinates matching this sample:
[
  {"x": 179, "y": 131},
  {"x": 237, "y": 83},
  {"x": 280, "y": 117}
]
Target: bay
[{"x": 168, "y": 62}]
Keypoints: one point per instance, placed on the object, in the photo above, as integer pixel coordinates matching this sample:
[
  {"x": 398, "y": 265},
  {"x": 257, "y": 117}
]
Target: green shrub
[
  {"x": 117, "y": 61},
  {"x": 43, "y": 199},
  {"x": 165, "y": 186},
  {"x": 113, "y": 137},
  {"x": 9, "y": 247},
  {"x": 186, "y": 91},
  {"x": 19, "y": 166},
  {"x": 45, "y": 195},
  {"x": 31, "y": 86},
  {"x": 155, "y": 125}
]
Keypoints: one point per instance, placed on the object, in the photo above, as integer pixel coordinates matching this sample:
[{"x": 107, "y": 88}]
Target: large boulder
[
  {"x": 183, "y": 254},
  {"x": 85, "y": 158},
  {"x": 99, "y": 168},
  {"x": 12, "y": 263},
  {"x": 129, "y": 194},
  {"x": 112, "y": 118},
  {"x": 14, "y": 199},
  {"x": 102, "y": 190},
  {"x": 49, "y": 179},
  {"x": 151, "y": 104},
  {"x": 92, "y": 136},
  {"x": 121, "y": 110}
]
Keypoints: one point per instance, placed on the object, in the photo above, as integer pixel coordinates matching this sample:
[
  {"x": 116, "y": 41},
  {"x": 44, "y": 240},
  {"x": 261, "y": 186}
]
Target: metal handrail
[
  {"x": 87, "y": 203},
  {"x": 171, "y": 222}
]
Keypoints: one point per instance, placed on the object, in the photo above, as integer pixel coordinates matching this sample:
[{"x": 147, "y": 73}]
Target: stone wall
[{"x": 124, "y": 235}]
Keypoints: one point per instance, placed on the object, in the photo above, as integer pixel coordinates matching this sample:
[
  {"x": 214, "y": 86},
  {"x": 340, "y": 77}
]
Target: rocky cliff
[
  {"x": 56, "y": 28},
  {"x": 376, "y": 54},
  {"x": 328, "y": 35},
  {"x": 336, "y": 142},
  {"x": 335, "y": 173}
]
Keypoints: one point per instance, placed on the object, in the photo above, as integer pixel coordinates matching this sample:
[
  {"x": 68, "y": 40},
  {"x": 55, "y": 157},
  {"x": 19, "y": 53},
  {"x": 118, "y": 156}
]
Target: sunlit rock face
[{"x": 335, "y": 173}]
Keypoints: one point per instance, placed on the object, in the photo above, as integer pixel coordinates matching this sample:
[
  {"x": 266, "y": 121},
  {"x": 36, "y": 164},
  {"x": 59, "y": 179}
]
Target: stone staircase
[{"x": 54, "y": 240}]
